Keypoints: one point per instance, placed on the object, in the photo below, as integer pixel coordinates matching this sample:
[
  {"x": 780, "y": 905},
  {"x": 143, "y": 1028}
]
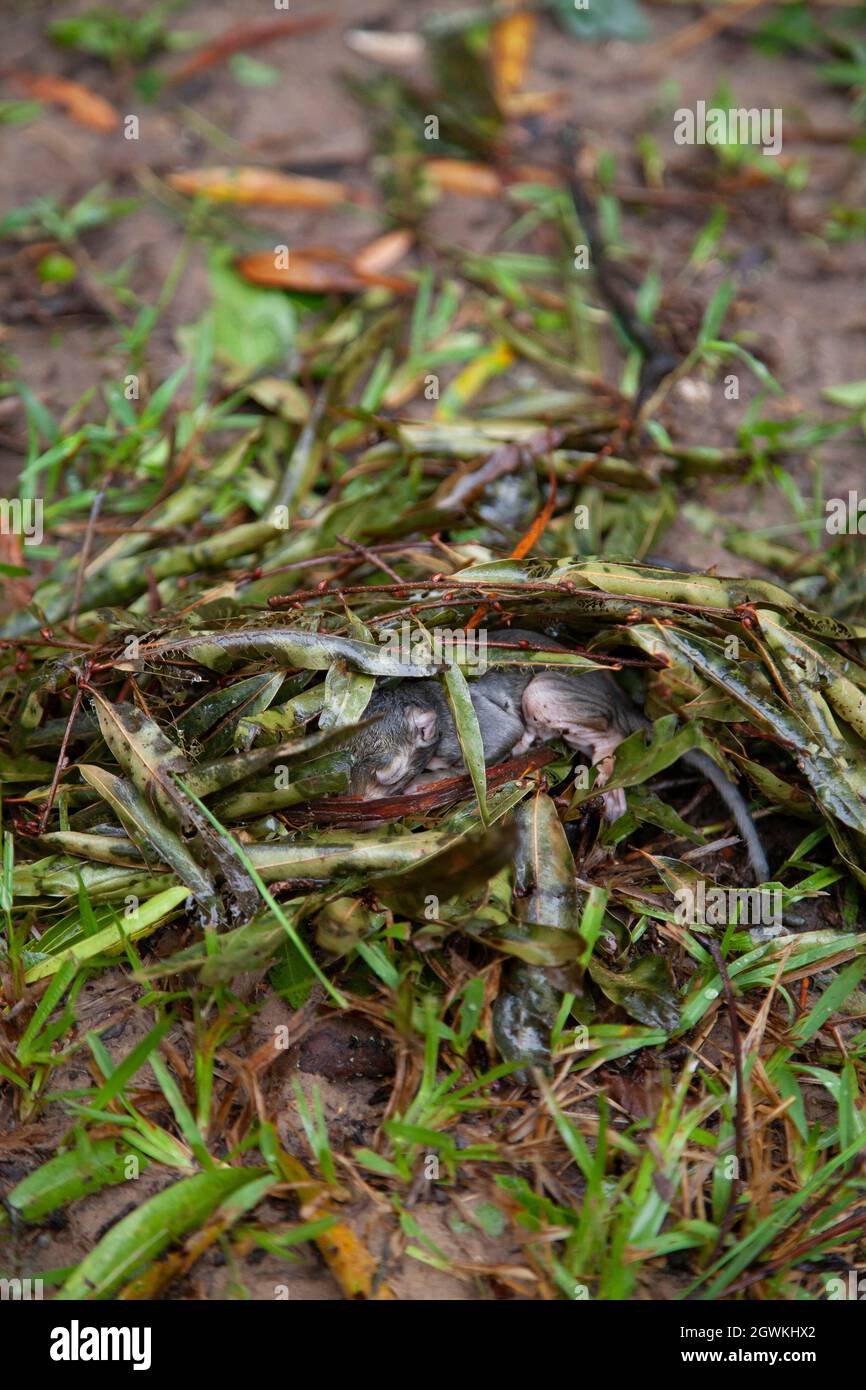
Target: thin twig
[
  {"x": 86, "y": 548},
  {"x": 370, "y": 556},
  {"x": 739, "y": 1113},
  {"x": 699, "y": 31},
  {"x": 58, "y": 771}
]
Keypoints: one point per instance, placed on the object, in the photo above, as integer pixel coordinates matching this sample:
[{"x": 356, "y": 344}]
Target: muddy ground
[{"x": 801, "y": 302}]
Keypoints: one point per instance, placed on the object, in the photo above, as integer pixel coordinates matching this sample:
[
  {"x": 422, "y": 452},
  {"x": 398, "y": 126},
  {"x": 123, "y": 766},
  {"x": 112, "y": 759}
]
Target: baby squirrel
[{"x": 414, "y": 732}]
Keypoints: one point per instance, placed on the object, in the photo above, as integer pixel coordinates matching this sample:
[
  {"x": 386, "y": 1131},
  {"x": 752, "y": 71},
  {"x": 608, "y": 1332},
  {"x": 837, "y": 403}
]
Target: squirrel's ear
[{"x": 425, "y": 722}]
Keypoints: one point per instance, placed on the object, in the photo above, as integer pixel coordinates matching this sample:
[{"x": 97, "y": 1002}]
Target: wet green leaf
[
  {"x": 153, "y": 837},
  {"x": 468, "y": 733},
  {"x": 138, "y": 1238},
  {"x": 68, "y": 1176}
]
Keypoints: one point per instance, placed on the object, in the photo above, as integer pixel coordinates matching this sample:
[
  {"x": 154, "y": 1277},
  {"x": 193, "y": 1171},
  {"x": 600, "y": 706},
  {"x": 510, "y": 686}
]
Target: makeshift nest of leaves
[{"x": 167, "y": 790}]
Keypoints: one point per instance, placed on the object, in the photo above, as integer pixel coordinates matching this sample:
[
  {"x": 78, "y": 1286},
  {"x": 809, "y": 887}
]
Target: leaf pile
[{"x": 366, "y": 448}]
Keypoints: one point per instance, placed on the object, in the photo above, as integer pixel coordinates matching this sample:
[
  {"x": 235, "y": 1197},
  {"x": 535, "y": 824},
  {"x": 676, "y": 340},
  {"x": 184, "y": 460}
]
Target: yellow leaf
[
  {"x": 263, "y": 187},
  {"x": 474, "y": 377},
  {"x": 511, "y": 46}
]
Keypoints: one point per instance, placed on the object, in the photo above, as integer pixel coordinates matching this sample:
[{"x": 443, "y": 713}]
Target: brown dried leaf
[
  {"x": 382, "y": 253},
  {"x": 83, "y": 106},
  {"x": 381, "y": 46},
  {"x": 316, "y": 270},
  {"x": 246, "y": 36},
  {"x": 464, "y": 177}
]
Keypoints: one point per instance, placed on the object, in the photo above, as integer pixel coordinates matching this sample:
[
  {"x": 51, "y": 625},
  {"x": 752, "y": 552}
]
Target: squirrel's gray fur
[{"x": 414, "y": 731}]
